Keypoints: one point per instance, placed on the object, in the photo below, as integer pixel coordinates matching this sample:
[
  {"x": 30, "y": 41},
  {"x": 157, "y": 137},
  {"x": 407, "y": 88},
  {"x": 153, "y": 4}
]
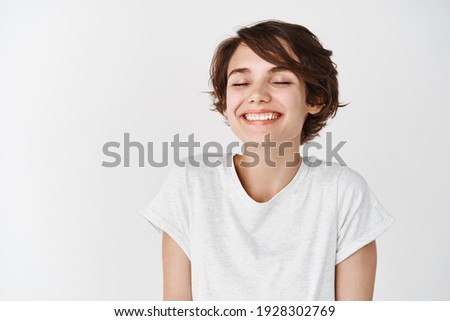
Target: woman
[{"x": 269, "y": 224}]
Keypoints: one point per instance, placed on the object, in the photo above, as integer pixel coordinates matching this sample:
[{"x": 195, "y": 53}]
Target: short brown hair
[{"x": 314, "y": 66}]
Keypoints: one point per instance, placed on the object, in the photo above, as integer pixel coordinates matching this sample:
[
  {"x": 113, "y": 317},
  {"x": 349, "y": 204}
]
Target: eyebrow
[{"x": 246, "y": 70}]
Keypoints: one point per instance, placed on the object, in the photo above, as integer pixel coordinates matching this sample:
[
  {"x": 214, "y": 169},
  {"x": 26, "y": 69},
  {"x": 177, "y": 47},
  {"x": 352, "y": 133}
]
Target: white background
[{"x": 77, "y": 74}]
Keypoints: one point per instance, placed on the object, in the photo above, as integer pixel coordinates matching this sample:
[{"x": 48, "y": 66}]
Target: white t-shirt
[{"x": 283, "y": 249}]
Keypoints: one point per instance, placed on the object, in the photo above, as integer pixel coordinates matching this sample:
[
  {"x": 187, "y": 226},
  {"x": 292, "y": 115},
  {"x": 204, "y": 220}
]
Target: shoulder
[
  {"x": 322, "y": 167},
  {"x": 321, "y": 170},
  {"x": 350, "y": 179},
  {"x": 340, "y": 175}
]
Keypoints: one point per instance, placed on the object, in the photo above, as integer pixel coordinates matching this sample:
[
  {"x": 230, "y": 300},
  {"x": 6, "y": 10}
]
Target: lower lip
[{"x": 260, "y": 122}]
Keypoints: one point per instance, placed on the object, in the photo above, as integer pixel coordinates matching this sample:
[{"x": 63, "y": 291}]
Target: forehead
[{"x": 244, "y": 57}]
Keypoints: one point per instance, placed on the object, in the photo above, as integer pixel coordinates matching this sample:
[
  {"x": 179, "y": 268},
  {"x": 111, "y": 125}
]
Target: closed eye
[
  {"x": 282, "y": 83},
  {"x": 276, "y": 83}
]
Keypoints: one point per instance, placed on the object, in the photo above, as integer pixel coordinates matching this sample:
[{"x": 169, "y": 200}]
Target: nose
[{"x": 259, "y": 94}]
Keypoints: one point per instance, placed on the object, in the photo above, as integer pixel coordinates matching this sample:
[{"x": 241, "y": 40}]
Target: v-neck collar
[{"x": 300, "y": 175}]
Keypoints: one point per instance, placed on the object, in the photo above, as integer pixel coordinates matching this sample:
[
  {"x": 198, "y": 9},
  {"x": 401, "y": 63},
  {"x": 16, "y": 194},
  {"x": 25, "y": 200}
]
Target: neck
[
  {"x": 266, "y": 171},
  {"x": 272, "y": 156}
]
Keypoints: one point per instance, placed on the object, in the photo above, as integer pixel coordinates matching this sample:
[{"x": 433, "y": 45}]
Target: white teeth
[{"x": 266, "y": 116}]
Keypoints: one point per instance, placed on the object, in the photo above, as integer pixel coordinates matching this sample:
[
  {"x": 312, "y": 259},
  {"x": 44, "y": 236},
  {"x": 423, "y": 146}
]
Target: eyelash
[{"x": 276, "y": 82}]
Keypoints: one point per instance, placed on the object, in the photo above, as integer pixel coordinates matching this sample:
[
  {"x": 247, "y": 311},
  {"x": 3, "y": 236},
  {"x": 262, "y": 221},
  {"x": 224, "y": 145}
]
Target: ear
[
  {"x": 316, "y": 106},
  {"x": 314, "y": 109}
]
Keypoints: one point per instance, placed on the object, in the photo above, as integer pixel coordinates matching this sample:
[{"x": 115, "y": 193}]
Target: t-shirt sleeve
[
  {"x": 361, "y": 217},
  {"x": 169, "y": 209}
]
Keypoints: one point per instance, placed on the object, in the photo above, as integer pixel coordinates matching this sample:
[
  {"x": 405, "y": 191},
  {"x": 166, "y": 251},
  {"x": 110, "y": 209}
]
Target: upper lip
[{"x": 259, "y": 111}]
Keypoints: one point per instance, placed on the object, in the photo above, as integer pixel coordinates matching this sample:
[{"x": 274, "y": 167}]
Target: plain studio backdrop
[{"x": 75, "y": 75}]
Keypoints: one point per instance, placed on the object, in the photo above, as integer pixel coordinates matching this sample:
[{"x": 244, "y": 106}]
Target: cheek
[
  {"x": 233, "y": 100},
  {"x": 294, "y": 101},
  {"x": 290, "y": 101}
]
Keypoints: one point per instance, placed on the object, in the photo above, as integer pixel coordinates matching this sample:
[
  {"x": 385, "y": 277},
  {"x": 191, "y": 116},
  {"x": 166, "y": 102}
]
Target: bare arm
[
  {"x": 176, "y": 270},
  {"x": 355, "y": 276}
]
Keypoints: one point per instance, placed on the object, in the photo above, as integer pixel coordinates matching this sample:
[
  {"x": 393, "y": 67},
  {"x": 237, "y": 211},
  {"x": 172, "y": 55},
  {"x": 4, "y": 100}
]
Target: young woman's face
[{"x": 263, "y": 98}]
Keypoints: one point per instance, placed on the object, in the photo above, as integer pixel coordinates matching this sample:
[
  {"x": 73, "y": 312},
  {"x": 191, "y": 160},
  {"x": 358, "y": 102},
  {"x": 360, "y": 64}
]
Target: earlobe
[
  {"x": 317, "y": 103},
  {"x": 314, "y": 109}
]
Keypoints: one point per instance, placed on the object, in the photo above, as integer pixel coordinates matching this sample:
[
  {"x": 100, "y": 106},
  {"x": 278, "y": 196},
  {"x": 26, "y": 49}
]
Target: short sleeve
[
  {"x": 169, "y": 209},
  {"x": 361, "y": 217}
]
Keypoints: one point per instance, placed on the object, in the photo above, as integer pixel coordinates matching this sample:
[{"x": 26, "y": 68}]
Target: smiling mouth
[{"x": 261, "y": 118}]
